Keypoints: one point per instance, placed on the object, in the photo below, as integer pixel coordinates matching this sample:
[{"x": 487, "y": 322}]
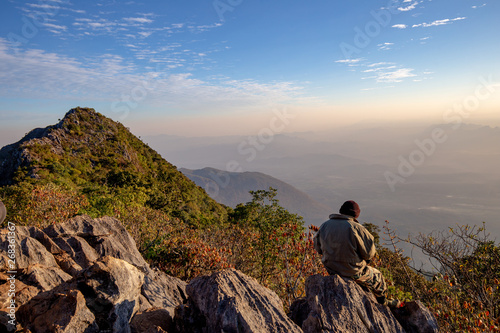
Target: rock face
[
  {"x": 84, "y": 275},
  {"x": 340, "y": 305},
  {"x": 229, "y": 301},
  {"x": 59, "y": 310},
  {"x": 416, "y": 318},
  {"x": 337, "y": 304}
]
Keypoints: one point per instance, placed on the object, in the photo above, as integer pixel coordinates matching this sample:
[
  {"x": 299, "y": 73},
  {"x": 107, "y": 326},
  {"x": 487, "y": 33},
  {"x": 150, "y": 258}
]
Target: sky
[{"x": 225, "y": 67}]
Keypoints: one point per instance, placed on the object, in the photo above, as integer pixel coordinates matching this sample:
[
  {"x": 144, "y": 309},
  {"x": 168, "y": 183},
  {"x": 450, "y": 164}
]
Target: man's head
[{"x": 350, "y": 208}]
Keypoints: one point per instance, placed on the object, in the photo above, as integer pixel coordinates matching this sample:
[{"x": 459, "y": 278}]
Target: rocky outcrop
[
  {"x": 58, "y": 310},
  {"x": 103, "y": 297},
  {"x": 87, "y": 239},
  {"x": 152, "y": 320},
  {"x": 416, "y": 318},
  {"x": 337, "y": 304},
  {"x": 229, "y": 301},
  {"x": 84, "y": 275}
]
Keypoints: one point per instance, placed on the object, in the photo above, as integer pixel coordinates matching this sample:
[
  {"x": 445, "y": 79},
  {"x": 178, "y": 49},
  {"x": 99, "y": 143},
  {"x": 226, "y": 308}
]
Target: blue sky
[{"x": 220, "y": 67}]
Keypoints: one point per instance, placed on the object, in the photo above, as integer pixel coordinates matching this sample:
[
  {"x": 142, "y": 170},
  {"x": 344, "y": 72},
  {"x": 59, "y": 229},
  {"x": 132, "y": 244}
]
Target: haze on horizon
[{"x": 221, "y": 67}]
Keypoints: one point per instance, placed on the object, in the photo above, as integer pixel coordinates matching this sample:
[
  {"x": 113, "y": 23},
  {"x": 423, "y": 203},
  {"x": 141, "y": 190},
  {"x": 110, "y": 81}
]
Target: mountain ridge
[
  {"x": 101, "y": 159},
  {"x": 232, "y": 188}
]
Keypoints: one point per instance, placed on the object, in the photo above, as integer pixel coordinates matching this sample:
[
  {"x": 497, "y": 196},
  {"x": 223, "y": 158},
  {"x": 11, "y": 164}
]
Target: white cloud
[
  {"x": 43, "y": 6},
  {"x": 385, "y": 46},
  {"x": 138, "y": 20},
  {"x": 408, "y": 8},
  {"x": 203, "y": 28},
  {"x": 55, "y": 28},
  {"x": 349, "y": 61},
  {"x": 395, "y": 76},
  {"x": 476, "y": 7},
  {"x": 39, "y": 74},
  {"x": 380, "y": 64},
  {"x": 97, "y": 24},
  {"x": 49, "y": 9},
  {"x": 400, "y": 26},
  {"x": 438, "y": 22},
  {"x": 145, "y": 34}
]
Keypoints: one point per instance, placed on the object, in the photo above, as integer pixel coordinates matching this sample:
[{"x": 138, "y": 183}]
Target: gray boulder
[
  {"x": 336, "y": 304},
  {"x": 103, "y": 297},
  {"x": 112, "y": 288},
  {"x": 58, "y": 310},
  {"x": 416, "y": 318},
  {"x": 96, "y": 258},
  {"x": 44, "y": 277},
  {"x": 152, "y": 320},
  {"x": 230, "y": 301},
  {"x": 106, "y": 236},
  {"x": 28, "y": 250}
]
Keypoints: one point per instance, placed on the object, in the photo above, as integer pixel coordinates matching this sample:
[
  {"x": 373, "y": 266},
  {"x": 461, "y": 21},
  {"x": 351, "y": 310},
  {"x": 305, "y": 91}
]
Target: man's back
[{"x": 345, "y": 245}]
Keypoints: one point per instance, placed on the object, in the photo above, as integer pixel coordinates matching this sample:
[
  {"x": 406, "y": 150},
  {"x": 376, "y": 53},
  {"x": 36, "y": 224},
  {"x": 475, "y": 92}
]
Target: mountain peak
[{"x": 94, "y": 154}]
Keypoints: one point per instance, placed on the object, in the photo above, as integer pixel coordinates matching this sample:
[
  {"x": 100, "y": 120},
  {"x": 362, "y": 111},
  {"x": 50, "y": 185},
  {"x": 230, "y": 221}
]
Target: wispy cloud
[
  {"x": 409, "y": 7},
  {"x": 438, "y": 22},
  {"x": 138, "y": 20},
  {"x": 395, "y": 76},
  {"x": 400, "y": 26},
  {"x": 40, "y": 74},
  {"x": 203, "y": 28},
  {"x": 94, "y": 24},
  {"x": 383, "y": 72},
  {"x": 57, "y": 29},
  {"x": 480, "y": 6},
  {"x": 385, "y": 46},
  {"x": 349, "y": 62},
  {"x": 43, "y": 6}
]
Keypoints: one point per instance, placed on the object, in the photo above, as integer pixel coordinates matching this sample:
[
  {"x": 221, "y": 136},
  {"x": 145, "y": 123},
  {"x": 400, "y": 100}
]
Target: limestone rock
[
  {"x": 112, "y": 288},
  {"x": 106, "y": 235},
  {"x": 23, "y": 293},
  {"x": 103, "y": 297},
  {"x": 152, "y": 319},
  {"x": 230, "y": 301},
  {"x": 45, "y": 278},
  {"x": 96, "y": 258},
  {"x": 416, "y": 318},
  {"x": 337, "y": 304},
  {"x": 163, "y": 291},
  {"x": 45, "y": 240},
  {"x": 78, "y": 249},
  {"x": 29, "y": 251},
  {"x": 58, "y": 310}
]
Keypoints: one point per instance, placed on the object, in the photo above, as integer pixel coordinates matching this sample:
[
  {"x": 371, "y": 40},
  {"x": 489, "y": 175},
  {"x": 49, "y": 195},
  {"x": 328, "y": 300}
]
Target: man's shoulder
[
  {"x": 337, "y": 221},
  {"x": 339, "y": 217},
  {"x": 346, "y": 220}
]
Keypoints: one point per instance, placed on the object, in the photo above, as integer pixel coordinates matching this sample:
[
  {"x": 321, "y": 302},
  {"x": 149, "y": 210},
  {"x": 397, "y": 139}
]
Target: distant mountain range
[
  {"x": 456, "y": 180},
  {"x": 232, "y": 188}
]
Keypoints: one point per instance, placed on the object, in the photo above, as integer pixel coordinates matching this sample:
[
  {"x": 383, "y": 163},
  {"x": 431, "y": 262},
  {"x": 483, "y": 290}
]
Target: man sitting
[{"x": 347, "y": 247}]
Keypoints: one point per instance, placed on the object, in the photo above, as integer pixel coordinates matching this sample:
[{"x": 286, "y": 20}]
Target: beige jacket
[{"x": 345, "y": 245}]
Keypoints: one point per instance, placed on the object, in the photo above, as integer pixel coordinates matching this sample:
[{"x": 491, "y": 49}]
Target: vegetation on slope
[{"x": 99, "y": 168}]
